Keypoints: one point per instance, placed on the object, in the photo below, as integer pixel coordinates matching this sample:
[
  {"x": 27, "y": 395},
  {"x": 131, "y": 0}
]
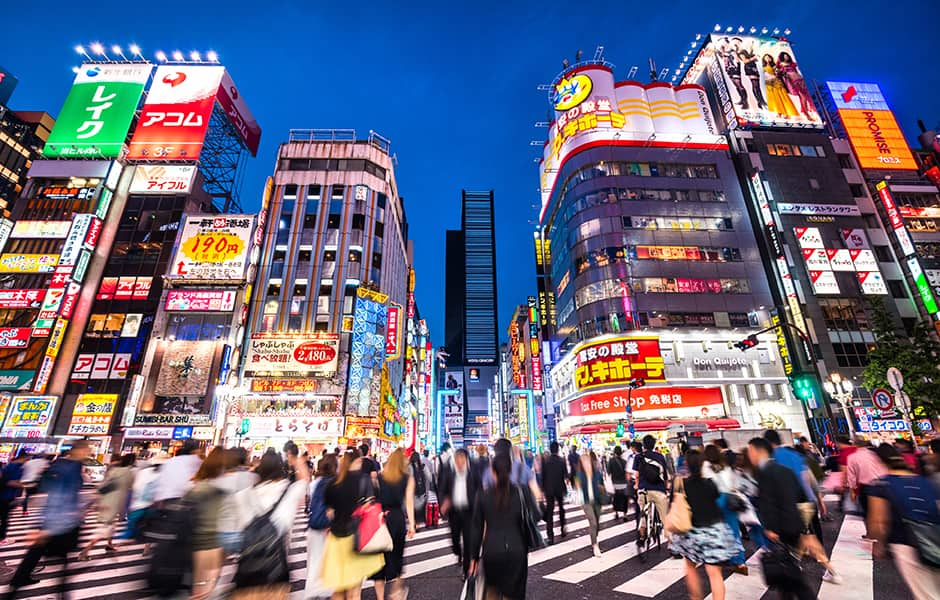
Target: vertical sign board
[
  {"x": 175, "y": 117},
  {"x": 234, "y": 105},
  {"x": 97, "y": 113},
  {"x": 393, "y": 332},
  {"x": 894, "y": 218}
]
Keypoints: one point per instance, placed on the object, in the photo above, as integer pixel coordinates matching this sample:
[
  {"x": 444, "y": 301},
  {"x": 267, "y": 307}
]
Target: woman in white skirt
[{"x": 318, "y": 526}]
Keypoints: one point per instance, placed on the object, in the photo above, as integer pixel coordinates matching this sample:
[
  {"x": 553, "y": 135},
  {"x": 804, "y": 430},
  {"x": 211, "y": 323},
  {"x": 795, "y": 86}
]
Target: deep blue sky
[{"x": 454, "y": 87}]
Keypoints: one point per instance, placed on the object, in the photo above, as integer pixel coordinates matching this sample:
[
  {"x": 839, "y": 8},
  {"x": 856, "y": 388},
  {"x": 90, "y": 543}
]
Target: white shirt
[
  {"x": 461, "y": 498},
  {"x": 176, "y": 477},
  {"x": 141, "y": 496},
  {"x": 33, "y": 469},
  {"x": 257, "y": 500}
]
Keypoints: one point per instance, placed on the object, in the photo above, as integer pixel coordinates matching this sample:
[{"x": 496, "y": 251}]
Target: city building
[
  {"x": 529, "y": 415},
  {"x": 647, "y": 244},
  {"x": 334, "y": 271},
  {"x": 470, "y": 323},
  {"x": 826, "y": 254},
  {"x": 22, "y": 135}
]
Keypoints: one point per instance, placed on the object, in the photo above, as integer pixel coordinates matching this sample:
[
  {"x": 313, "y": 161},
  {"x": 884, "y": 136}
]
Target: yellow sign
[
  {"x": 213, "y": 248},
  {"x": 92, "y": 414},
  {"x": 55, "y": 340},
  {"x": 572, "y": 91},
  {"x": 372, "y": 295},
  {"x": 28, "y": 263}
]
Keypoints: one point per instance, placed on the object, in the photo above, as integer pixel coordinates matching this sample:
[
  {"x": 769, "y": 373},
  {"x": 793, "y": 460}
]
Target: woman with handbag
[
  {"x": 318, "y": 526},
  {"x": 590, "y": 485},
  {"x": 396, "y": 494},
  {"x": 904, "y": 518},
  {"x": 344, "y": 569},
  {"x": 730, "y": 500},
  {"x": 112, "y": 501},
  {"x": 709, "y": 541},
  {"x": 500, "y": 531}
]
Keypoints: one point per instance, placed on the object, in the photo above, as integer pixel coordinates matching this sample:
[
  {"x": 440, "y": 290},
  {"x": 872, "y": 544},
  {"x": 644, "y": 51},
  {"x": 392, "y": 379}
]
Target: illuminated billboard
[
  {"x": 28, "y": 263},
  {"x": 616, "y": 361},
  {"x": 97, "y": 113},
  {"x": 313, "y": 352},
  {"x": 200, "y": 300},
  {"x": 757, "y": 80},
  {"x": 92, "y": 414},
  {"x": 591, "y": 109},
  {"x": 163, "y": 179},
  {"x": 212, "y": 247},
  {"x": 175, "y": 117},
  {"x": 239, "y": 115},
  {"x": 871, "y": 126}
]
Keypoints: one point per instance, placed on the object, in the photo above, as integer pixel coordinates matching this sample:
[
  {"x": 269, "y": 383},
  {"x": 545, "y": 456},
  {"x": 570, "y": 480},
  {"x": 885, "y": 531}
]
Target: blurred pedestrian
[
  {"x": 710, "y": 542},
  {"x": 730, "y": 501},
  {"x": 554, "y": 488},
  {"x": 907, "y": 451},
  {"x": 903, "y": 495},
  {"x": 32, "y": 475},
  {"x": 421, "y": 474},
  {"x": 207, "y": 497},
  {"x": 481, "y": 462},
  {"x": 142, "y": 494},
  {"x": 12, "y": 488},
  {"x": 459, "y": 489},
  {"x": 176, "y": 476},
  {"x": 396, "y": 489},
  {"x": 864, "y": 468},
  {"x": 590, "y": 485},
  {"x": 652, "y": 482},
  {"x": 318, "y": 525},
  {"x": 497, "y": 533},
  {"x": 617, "y": 467},
  {"x": 111, "y": 502},
  {"x": 343, "y": 568}
]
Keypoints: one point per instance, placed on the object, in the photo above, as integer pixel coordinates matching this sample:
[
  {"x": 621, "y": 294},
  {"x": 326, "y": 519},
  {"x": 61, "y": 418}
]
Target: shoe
[
  {"x": 865, "y": 538},
  {"x": 7, "y": 541},
  {"x": 564, "y": 532},
  {"x": 740, "y": 569},
  {"x": 551, "y": 541},
  {"x": 833, "y": 578},
  {"x": 597, "y": 550}
]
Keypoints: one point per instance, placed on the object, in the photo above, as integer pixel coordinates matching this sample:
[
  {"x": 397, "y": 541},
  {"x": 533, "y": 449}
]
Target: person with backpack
[
  {"x": 422, "y": 476},
  {"x": 318, "y": 525},
  {"x": 651, "y": 481},
  {"x": 904, "y": 519},
  {"x": 266, "y": 513},
  {"x": 207, "y": 498},
  {"x": 617, "y": 467},
  {"x": 396, "y": 495}
]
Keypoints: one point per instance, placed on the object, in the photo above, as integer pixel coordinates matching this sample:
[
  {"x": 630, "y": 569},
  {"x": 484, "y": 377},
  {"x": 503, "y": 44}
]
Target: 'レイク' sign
[
  {"x": 679, "y": 402},
  {"x": 617, "y": 361}
]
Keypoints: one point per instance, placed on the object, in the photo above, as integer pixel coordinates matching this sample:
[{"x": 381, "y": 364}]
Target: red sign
[
  {"x": 94, "y": 232},
  {"x": 393, "y": 331},
  {"x": 536, "y": 373},
  {"x": 617, "y": 361},
  {"x": 70, "y": 300},
  {"x": 314, "y": 353},
  {"x": 14, "y": 337},
  {"x": 142, "y": 288},
  {"x": 174, "y": 119},
  {"x": 107, "y": 289},
  {"x": 21, "y": 298},
  {"x": 237, "y": 110},
  {"x": 665, "y": 401}
]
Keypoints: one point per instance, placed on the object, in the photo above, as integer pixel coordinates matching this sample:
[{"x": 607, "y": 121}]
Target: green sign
[
  {"x": 16, "y": 380},
  {"x": 97, "y": 113},
  {"x": 923, "y": 287}
]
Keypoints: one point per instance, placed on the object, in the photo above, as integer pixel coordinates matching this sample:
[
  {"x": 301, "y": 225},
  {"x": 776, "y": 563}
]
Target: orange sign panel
[{"x": 877, "y": 139}]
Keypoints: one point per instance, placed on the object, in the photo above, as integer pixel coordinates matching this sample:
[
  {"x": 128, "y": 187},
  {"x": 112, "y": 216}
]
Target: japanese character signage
[
  {"x": 894, "y": 218},
  {"x": 16, "y": 381},
  {"x": 292, "y": 353},
  {"x": 28, "y": 263},
  {"x": 185, "y": 368},
  {"x": 362, "y": 427},
  {"x": 40, "y": 229},
  {"x": 872, "y": 129},
  {"x": 234, "y": 105},
  {"x": 21, "y": 298},
  {"x": 617, "y": 361},
  {"x": 393, "y": 332},
  {"x": 92, "y": 414},
  {"x": 29, "y": 416},
  {"x": 75, "y": 239},
  {"x": 97, "y": 113},
  {"x": 148, "y": 433},
  {"x": 277, "y": 385},
  {"x": 785, "y": 358},
  {"x": 212, "y": 247},
  {"x": 167, "y": 419},
  {"x": 200, "y": 300},
  {"x": 175, "y": 117},
  {"x": 654, "y": 402},
  {"x": 14, "y": 337},
  {"x": 104, "y": 365},
  {"x": 837, "y": 210},
  {"x": 163, "y": 179},
  {"x": 313, "y": 427}
]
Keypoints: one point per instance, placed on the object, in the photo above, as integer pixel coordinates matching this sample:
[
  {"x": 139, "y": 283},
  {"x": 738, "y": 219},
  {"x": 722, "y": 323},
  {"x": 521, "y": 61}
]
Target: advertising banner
[
  {"x": 185, "y": 368},
  {"x": 92, "y": 414},
  {"x": 296, "y": 428},
  {"x": 200, "y": 300},
  {"x": 163, "y": 179},
  {"x": 239, "y": 115},
  {"x": 894, "y": 218},
  {"x": 17, "y": 299},
  {"x": 872, "y": 129},
  {"x": 28, "y": 263},
  {"x": 14, "y": 337},
  {"x": 175, "y": 117},
  {"x": 277, "y": 385},
  {"x": 651, "y": 403},
  {"x": 292, "y": 353},
  {"x": 97, "y": 113},
  {"x": 29, "y": 416},
  {"x": 148, "y": 433},
  {"x": 358, "y": 428},
  {"x": 75, "y": 238},
  {"x": 194, "y": 420},
  {"x": 212, "y": 248},
  {"x": 923, "y": 286},
  {"x": 872, "y": 283},
  {"x": 840, "y": 259},
  {"x": 393, "y": 332},
  {"x": 15, "y": 381},
  {"x": 808, "y": 237},
  {"x": 835, "y": 210},
  {"x": 824, "y": 282},
  {"x": 618, "y": 360},
  {"x": 40, "y": 229},
  {"x": 453, "y": 410}
]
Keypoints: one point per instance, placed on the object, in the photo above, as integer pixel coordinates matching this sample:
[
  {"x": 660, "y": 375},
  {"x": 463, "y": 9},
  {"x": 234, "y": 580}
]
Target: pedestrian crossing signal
[
  {"x": 803, "y": 387},
  {"x": 620, "y": 428},
  {"x": 747, "y": 343}
]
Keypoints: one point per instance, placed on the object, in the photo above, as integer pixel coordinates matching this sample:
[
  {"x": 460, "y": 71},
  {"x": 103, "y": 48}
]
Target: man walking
[
  {"x": 459, "y": 487},
  {"x": 617, "y": 468},
  {"x": 651, "y": 483},
  {"x": 863, "y": 469},
  {"x": 12, "y": 489},
  {"x": 554, "y": 474}
]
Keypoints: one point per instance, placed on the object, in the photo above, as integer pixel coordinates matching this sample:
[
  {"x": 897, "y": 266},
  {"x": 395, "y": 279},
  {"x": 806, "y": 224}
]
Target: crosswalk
[{"x": 567, "y": 566}]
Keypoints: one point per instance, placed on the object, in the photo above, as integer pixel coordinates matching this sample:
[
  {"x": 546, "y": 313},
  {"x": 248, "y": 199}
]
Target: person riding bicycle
[{"x": 652, "y": 477}]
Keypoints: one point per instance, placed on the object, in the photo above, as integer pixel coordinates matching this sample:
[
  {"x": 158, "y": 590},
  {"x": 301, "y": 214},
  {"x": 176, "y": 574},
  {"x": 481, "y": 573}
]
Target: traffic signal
[
  {"x": 747, "y": 343},
  {"x": 620, "y": 428},
  {"x": 637, "y": 382},
  {"x": 802, "y": 386}
]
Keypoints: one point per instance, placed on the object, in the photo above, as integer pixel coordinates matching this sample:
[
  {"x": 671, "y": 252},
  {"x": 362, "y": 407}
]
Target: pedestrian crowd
[{"x": 204, "y": 508}]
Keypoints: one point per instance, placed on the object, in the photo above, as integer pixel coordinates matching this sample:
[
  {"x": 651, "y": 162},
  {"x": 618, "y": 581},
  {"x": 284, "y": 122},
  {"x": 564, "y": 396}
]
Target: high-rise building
[
  {"x": 470, "y": 319},
  {"x": 22, "y": 135},
  {"x": 334, "y": 267},
  {"x": 654, "y": 267}
]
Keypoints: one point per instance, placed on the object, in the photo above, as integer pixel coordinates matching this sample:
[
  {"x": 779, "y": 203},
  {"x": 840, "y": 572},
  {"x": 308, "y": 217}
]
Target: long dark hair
[
  {"x": 502, "y": 466},
  {"x": 694, "y": 460}
]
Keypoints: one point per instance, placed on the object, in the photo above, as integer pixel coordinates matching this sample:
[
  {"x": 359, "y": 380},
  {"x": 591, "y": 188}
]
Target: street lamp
[{"x": 841, "y": 390}]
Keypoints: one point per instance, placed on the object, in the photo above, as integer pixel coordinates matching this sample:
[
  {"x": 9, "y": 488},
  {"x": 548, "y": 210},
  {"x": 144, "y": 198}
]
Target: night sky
[{"x": 454, "y": 87}]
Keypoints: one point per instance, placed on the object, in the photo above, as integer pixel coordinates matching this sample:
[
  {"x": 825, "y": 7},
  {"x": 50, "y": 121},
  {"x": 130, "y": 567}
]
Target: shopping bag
[
  {"x": 371, "y": 533},
  {"x": 473, "y": 588}
]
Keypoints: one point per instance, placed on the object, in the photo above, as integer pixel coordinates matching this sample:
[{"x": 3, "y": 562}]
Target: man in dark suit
[
  {"x": 458, "y": 489},
  {"x": 554, "y": 474},
  {"x": 779, "y": 492}
]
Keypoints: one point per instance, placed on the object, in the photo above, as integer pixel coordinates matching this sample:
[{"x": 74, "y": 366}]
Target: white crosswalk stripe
[{"x": 569, "y": 562}]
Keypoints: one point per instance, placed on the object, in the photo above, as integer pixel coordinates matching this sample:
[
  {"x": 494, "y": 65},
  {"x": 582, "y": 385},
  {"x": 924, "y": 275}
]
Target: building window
[
  {"x": 379, "y": 230},
  {"x": 358, "y": 221},
  {"x": 857, "y": 190},
  {"x": 355, "y": 256},
  {"x": 882, "y": 253},
  {"x": 896, "y": 288},
  {"x": 274, "y": 289},
  {"x": 376, "y": 260},
  {"x": 851, "y": 355},
  {"x": 290, "y": 191},
  {"x": 381, "y": 198},
  {"x": 336, "y": 192},
  {"x": 844, "y": 161},
  {"x": 295, "y": 323},
  {"x": 843, "y": 314},
  {"x": 333, "y": 221}
]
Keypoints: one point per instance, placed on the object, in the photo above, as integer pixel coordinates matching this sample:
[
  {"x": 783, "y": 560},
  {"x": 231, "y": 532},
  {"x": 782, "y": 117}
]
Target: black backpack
[
  {"x": 421, "y": 482},
  {"x": 650, "y": 470},
  {"x": 263, "y": 559},
  {"x": 169, "y": 531},
  {"x": 617, "y": 467}
]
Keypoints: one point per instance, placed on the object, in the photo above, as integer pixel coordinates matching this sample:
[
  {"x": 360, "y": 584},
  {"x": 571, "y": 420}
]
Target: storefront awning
[{"x": 654, "y": 425}]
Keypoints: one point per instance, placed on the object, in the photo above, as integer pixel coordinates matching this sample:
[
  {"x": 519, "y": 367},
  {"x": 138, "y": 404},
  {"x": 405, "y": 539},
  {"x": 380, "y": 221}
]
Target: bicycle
[{"x": 652, "y": 524}]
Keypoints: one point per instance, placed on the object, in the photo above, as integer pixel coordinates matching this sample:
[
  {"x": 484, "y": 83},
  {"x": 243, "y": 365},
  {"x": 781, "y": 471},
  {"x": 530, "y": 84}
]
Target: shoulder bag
[
  {"x": 530, "y": 525},
  {"x": 924, "y": 533},
  {"x": 371, "y": 535},
  {"x": 781, "y": 569},
  {"x": 679, "y": 517}
]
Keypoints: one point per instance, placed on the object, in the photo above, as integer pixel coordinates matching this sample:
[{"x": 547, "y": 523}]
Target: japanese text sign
[
  {"x": 29, "y": 416},
  {"x": 212, "y": 247},
  {"x": 292, "y": 353},
  {"x": 617, "y": 361},
  {"x": 92, "y": 414}
]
